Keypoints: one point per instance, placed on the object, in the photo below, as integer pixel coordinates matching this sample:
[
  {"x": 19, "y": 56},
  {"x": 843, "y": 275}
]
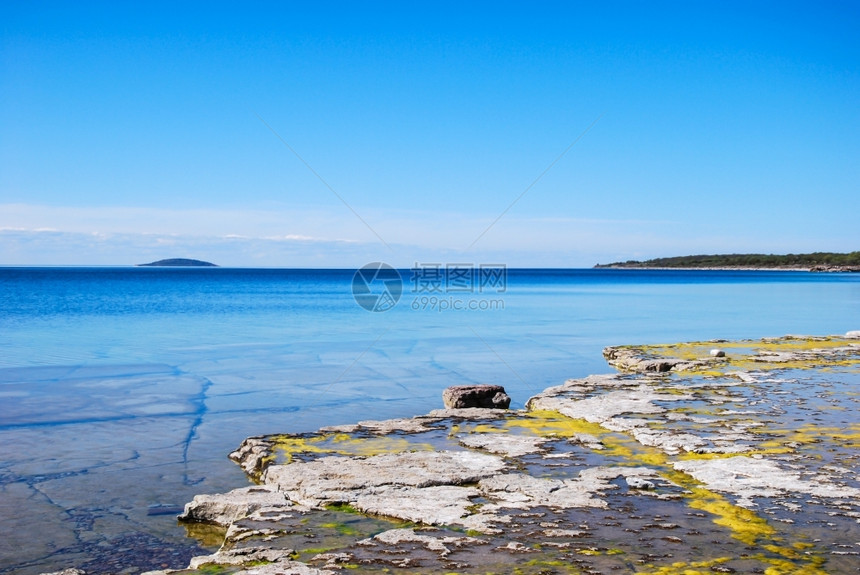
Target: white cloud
[
  {"x": 285, "y": 237},
  {"x": 24, "y": 247}
]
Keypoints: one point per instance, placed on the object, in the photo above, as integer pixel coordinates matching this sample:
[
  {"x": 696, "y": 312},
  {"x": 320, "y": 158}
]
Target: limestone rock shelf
[{"x": 683, "y": 461}]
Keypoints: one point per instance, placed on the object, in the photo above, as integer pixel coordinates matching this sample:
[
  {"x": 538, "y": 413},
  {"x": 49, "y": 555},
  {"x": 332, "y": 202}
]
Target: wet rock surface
[{"x": 745, "y": 463}]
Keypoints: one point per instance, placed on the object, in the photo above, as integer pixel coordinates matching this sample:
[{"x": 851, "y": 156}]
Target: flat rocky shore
[
  {"x": 703, "y": 457},
  {"x": 816, "y": 268}
]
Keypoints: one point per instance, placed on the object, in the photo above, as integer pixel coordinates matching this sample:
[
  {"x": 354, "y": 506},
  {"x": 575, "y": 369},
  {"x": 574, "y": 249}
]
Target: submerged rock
[
  {"x": 440, "y": 544},
  {"x": 503, "y": 443}
]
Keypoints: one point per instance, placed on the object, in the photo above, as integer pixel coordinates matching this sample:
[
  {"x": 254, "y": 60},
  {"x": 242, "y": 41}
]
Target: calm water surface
[{"x": 122, "y": 390}]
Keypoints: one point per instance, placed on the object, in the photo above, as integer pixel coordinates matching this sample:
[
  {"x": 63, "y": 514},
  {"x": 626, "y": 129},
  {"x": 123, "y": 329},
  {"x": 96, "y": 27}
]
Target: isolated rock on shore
[{"x": 486, "y": 396}]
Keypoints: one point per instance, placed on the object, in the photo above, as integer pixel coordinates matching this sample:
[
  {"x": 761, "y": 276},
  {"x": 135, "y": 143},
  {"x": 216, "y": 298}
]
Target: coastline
[
  {"x": 709, "y": 268},
  {"x": 813, "y": 262},
  {"x": 682, "y": 448},
  {"x": 828, "y": 269}
]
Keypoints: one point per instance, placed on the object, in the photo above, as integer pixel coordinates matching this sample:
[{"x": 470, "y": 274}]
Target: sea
[{"x": 124, "y": 389}]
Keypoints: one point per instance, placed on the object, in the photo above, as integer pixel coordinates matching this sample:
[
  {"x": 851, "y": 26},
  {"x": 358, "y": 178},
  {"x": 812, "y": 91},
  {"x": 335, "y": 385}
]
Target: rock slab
[{"x": 483, "y": 396}]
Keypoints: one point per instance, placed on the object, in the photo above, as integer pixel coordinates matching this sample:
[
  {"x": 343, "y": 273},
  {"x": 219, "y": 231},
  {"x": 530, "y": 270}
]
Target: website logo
[
  {"x": 435, "y": 287},
  {"x": 377, "y": 287}
]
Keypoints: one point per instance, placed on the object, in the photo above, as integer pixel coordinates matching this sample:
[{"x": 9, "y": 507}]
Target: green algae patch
[
  {"x": 343, "y": 508},
  {"x": 546, "y": 563},
  {"x": 684, "y": 568},
  {"x": 216, "y": 569},
  {"x": 207, "y": 534},
  {"x": 337, "y": 529},
  {"x": 314, "y": 551},
  {"x": 342, "y": 528},
  {"x": 539, "y": 567}
]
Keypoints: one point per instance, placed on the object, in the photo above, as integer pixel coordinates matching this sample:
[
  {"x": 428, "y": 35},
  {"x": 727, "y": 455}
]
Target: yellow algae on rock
[
  {"x": 286, "y": 447},
  {"x": 744, "y": 524},
  {"x": 789, "y": 352},
  {"x": 553, "y": 424},
  {"x": 692, "y": 568},
  {"x": 785, "y": 567}
]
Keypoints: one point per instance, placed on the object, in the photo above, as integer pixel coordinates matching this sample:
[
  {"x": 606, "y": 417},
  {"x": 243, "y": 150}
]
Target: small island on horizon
[
  {"x": 814, "y": 262},
  {"x": 180, "y": 263}
]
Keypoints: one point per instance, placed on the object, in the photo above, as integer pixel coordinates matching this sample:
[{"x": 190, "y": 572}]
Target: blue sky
[{"x": 298, "y": 134}]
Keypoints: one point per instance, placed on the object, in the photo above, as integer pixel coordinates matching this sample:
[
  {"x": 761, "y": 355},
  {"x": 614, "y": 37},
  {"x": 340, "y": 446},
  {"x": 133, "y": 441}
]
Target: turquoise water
[{"x": 122, "y": 390}]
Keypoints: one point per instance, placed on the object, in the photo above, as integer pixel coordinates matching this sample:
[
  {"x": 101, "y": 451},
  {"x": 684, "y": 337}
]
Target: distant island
[
  {"x": 180, "y": 263},
  {"x": 816, "y": 262}
]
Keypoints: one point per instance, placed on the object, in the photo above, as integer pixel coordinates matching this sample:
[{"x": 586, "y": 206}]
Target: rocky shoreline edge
[
  {"x": 816, "y": 268},
  {"x": 717, "y": 456}
]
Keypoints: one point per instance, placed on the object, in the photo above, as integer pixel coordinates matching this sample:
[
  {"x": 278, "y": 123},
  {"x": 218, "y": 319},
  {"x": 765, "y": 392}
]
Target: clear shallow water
[{"x": 125, "y": 388}]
